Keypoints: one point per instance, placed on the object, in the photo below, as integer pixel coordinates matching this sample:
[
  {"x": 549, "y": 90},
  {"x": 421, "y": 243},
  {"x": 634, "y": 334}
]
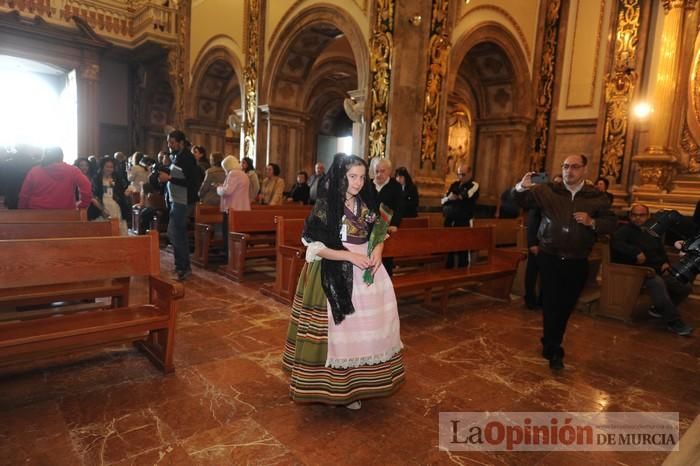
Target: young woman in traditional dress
[{"x": 343, "y": 343}]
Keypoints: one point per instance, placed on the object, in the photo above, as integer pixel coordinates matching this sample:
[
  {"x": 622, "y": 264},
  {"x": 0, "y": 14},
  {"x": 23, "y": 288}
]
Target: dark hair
[
  {"x": 105, "y": 161},
  {"x": 275, "y": 169},
  {"x": 336, "y": 177},
  {"x": 52, "y": 155},
  {"x": 403, "y": 171},
  {"x": 216, "y": 158},
  {"x": 90, "y": 166},
  {"x": 248, "y": 161},
  {"x": 306, "y": 175},
  {"x": 178, "y": 135},
  {"x": 584, "y": 159},
  {"x": 200, "y": 149},
  {"x": 604, "y": 180}
]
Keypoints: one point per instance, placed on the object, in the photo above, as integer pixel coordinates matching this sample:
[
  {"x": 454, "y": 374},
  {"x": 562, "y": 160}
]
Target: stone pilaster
[
  {"x": 282, "y": 133},
  {"x": 88, "y": 116}
]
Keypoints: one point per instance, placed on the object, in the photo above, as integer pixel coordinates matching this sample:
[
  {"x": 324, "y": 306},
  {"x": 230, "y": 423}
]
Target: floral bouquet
[{"x": 378, "y": 235}]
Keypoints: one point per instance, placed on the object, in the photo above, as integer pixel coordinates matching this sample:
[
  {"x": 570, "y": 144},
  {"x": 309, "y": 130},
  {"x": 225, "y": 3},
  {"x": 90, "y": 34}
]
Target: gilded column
[
  {"x": 178, "y": 63},
  {"x": 253, "y": 58},
  {"x": 88, "y": 116},
  {"x": 439, "y": 51},
  {"x": 619, "y": 91},
  {"x": 545, "y": 86},
  {"x": 381, "y": 47},
  {"x": 657, "y": 162}
]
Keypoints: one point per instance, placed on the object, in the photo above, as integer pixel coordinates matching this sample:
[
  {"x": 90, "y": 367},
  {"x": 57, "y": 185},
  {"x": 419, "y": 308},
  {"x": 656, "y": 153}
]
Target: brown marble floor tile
[
  {"x": 121, "y": 438},
  {"x": 35, "y": 435},
  {"x": 242, "y": 441},
  {"x": 227, "y": 402}
]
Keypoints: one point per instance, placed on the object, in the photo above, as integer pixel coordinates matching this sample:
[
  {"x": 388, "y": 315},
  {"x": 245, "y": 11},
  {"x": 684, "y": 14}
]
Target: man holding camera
[
  {"x": 182, "y": 189},
  {"x": 573, "y": 213},
  {"x": 458, "y": 207},
  {"x": 632, "y": 245}
]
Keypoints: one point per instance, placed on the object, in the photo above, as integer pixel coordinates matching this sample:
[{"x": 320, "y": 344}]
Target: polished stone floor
[{"x": 227, "y": 401}]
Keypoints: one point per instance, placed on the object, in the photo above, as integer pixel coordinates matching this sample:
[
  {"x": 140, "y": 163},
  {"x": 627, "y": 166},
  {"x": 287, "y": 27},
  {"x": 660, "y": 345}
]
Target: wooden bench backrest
[
  {"x": 253, "y": 221},
  {"x": 505, "y": 230},
  {"x": 435, "y": 219},
  {"x": 207, "y": 213},
  {"x": 417, "y": 222},
  {"x": 37, "y": 262},
  {"x": 289, "y": 231},
  {"x": 42, "y": 215},
  {"x": 421, "y": 242},
  {"x": 286, "y": 205},
  {"x": 32, "y": 230}
]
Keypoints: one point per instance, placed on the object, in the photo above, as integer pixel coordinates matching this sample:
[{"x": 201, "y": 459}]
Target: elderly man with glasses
[{"x": 573, "y": 213}]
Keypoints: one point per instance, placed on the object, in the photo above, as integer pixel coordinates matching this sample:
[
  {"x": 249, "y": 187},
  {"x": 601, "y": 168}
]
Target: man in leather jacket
[{"x": 573, "y": 214}]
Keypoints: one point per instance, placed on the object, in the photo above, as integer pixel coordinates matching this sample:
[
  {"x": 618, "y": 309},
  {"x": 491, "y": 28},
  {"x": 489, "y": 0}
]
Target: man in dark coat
[
  {"x": 458, "y": 207},
  {"x": 388, "y": 192},
  {"x": 632, "y": 245}
]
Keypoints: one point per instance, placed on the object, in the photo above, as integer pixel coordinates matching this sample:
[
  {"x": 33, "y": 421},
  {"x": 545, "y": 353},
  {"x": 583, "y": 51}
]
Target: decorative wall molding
[
  {"x": 363, "y": 4},
  {"x": 125, "y": 22},
  {"x": 619, "y": 90},
  {"x": 690, "y": 146},
  {"x": 596, "y": 55},
  {"x": 439, "y": 52},
  {"x": 545, "y": 86},
  {"x": 509, "y": 17},
  {"x": 381, "y": 48}
]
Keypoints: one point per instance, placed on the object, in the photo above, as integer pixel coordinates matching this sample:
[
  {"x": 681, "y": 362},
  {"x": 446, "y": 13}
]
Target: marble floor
[{"x": 227, "y": 401}]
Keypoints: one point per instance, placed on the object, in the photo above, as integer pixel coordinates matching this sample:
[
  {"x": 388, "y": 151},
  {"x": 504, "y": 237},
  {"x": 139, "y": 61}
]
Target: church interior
[{"x": 496, "y": 87}]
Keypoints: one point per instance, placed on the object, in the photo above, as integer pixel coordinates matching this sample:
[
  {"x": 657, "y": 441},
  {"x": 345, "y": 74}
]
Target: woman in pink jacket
[
  {"x": 53, "y": 184},
  {"x": 234, "y": 192}
]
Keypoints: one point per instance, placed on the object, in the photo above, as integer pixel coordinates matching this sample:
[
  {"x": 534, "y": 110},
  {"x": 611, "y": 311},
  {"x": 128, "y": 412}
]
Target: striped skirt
[{"x": 346, "y": 375}]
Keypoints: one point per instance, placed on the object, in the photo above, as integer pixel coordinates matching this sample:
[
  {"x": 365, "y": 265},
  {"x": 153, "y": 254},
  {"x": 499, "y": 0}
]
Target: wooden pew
[
  {"x": 61, "y": 261},
  {"x": 42, "y": 215},
  {"x": 494, "y": 274},
  {"x": 253, "y": 234},
  {"x": 288, "y": 262},
  {"x": 156, "y": 222},
  {"x": 10, "y": 300},
  {"x": 620, "y": 287},
  {"x": 77, "y": 229},
  {"x": 286, "y": 205},
  {"x": 206, "y": 219},
  {"x": 505, "y": 230}
]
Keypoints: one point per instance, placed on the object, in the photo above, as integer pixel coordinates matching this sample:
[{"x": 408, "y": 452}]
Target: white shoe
[{"x": 354, "y": 406}]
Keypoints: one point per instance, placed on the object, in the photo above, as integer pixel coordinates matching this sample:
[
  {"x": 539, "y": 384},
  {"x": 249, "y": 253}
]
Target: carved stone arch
[
  {"x": 204, "y": 62},
  {"x": 215, "y": 94},
  {"x": 489, "y": 59},
  {"x": 333, "y": 68},
  {"x": 315, "y": 15},
  {"x": 499, "y": 35}
]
